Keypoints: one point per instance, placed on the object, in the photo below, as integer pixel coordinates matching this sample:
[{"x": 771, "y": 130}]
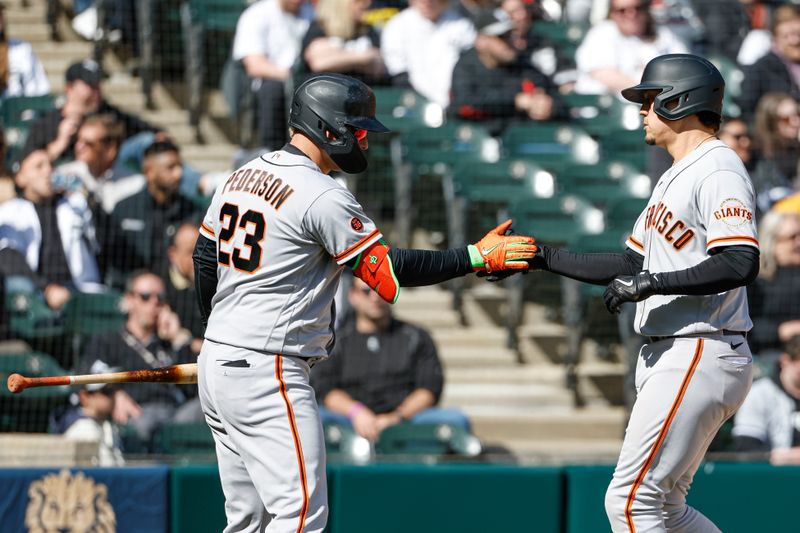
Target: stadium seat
[
  {"x": 29, "y": 410},
  {"x": 734, "y": 77},
  {"x": 17, "y": 114},
  {"x": 551, "y": 145},
  {"x": 427, "y": 439},
  {"x": 90, "y": 313},
  {"x": 343, "y": 445},
  {"x": 429, "y": 156},
  {"x": 605, "y": 182},
  {"x": 29, "y": 315},
  {"x": 192, "y": 439}
]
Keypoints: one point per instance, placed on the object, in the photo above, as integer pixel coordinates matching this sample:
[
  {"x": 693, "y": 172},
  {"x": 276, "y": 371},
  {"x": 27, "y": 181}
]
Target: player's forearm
[
  {"x": 734, "y": 266},
  {"x": 598, "y": 269},
  {"x": 205, "y": 274},
  {"x": 414, "y": 403},
  {"x": 416, "y": 268}
]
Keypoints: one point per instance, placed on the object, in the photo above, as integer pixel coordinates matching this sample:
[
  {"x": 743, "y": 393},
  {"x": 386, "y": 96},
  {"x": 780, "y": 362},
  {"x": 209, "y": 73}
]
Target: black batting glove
[{"x": 629, "y": 289}]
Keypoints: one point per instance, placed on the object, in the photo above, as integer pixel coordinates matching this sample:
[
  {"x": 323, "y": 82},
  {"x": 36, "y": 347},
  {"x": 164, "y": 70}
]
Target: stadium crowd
[{"x": 98, "y": 201}]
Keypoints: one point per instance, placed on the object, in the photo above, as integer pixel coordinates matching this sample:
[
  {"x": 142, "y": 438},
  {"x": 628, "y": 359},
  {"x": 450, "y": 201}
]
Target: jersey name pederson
[{"x": 259, "y": 183}]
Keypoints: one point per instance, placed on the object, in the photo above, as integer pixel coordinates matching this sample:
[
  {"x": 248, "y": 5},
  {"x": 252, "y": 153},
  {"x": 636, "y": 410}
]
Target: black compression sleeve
[
  {"x": 599, "y": 269},
  {"x": 205, "y": 274},
  {"x": 415, "y": 268},
  {"x": 730, "y": 267}
]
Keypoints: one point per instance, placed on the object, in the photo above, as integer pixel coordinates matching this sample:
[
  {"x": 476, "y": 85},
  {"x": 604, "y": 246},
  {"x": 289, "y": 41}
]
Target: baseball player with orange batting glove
[{"x": 272, "y": 247}]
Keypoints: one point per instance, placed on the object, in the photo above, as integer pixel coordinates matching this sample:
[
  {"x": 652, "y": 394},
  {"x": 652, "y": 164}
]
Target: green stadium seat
[
  {"x": 90, "y": 313},
  {"x": 733, "y": 75},
  {"x": 402, "y": 109},
  {"x": 427, "y": 439},
  {"x": 343, "y": 445},
  {"x": 188, "y": 439},
  {"x": 551, "y": 145},
  {"x": 17, "y": 114},
  {"x": 29, "y": 410},
  {"x": 605, "y": 182},
  {"x": 29, "y": 315}
]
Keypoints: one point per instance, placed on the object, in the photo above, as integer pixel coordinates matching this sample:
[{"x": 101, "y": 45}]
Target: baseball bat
[{"x": 185, "y": 373}]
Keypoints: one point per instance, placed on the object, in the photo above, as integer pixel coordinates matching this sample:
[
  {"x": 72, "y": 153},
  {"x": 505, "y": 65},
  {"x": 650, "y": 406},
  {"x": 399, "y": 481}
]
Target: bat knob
[{"x": 16, "y": 383}]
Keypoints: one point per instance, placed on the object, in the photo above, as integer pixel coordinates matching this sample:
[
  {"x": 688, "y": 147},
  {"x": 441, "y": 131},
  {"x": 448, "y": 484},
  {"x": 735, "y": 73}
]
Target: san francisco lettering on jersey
[
  {"x": 659, "y": 217},
  {"x": 259, "y": 183}
]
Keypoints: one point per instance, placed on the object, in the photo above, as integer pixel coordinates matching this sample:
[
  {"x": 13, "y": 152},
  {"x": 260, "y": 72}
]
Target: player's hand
[
  {"x": 629, "y": 289},
  {"x": 498, "y": 251},
  {"x": 365, "y": 423},
  {"x": 125, "y": 407}
]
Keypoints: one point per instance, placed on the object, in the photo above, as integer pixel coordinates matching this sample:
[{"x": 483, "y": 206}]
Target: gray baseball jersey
[
  {"x": 267, "y": 214},
  {"x": 704, "y": 201}
]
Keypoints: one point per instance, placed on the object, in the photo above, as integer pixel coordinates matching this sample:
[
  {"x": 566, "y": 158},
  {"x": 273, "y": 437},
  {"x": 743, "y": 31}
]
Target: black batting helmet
[
  {"x": 693, "y": 81},
  {"x": 337, "y": 104}
]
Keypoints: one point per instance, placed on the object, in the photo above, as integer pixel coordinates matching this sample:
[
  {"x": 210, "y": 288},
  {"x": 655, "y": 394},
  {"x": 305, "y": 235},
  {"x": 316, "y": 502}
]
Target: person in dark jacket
[
  {"x": 779, "y": 70},
  {"x": 144, "y": 223},
  {"x": 57, "y": 130},
  {"x": 493, "y": 83}
]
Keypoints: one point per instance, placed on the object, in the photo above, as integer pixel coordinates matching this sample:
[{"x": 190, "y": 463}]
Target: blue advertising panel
[{"x": 101, "y": 500}]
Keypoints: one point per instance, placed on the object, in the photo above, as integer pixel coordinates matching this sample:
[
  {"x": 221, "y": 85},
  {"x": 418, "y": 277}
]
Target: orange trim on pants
[
  {"x": 662, "y": 434},
  {"x": 298, "y": 448}
]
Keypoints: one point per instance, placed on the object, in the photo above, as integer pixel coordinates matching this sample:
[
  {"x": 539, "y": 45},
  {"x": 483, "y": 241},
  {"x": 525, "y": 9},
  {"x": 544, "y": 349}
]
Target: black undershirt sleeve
[
  {"x": 415, "y": 268},
  {"x": 205, "y": 274},
  {"x": 598, "y": 269},
  {"x": 728, "y": 268}
]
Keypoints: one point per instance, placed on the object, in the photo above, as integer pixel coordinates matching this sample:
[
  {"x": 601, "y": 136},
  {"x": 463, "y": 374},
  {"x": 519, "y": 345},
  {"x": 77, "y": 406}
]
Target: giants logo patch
[
  {"x": 356, "y": 224},
  {"x": 733, "y": 212}
]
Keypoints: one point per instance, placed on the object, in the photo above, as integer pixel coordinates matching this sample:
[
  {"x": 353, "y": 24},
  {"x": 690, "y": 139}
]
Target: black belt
[{"x": 723, "y": 332}]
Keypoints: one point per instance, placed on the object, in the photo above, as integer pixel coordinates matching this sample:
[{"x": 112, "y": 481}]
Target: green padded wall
[
  {"x": 444, "y": 498},
  {"x": 738, "y": 497},
  {"x": 196, "y": 501}
]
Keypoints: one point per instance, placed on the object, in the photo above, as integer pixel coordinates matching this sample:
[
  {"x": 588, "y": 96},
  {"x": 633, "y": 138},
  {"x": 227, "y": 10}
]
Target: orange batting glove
[{"x": 498, "y": 251}]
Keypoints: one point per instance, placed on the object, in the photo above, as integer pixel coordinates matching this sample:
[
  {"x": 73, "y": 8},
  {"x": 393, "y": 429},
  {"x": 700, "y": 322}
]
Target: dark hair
[
  {"x": 161, "y": 147},
  {"x": 710, "y": 119},
  {"x": 135, "y": 275},
  {"x": 115, "y": 130},
  {"x": 792, "y": 347}
]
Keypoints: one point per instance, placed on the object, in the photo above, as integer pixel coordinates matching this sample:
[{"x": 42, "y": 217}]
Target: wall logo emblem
[{"x": 67, "y": 503}]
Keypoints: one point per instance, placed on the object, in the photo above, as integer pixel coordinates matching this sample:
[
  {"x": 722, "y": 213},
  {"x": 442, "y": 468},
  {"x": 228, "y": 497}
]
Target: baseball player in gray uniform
[
  {"x": 277, "y": 235},
  {"x": 691, "y": 253}
]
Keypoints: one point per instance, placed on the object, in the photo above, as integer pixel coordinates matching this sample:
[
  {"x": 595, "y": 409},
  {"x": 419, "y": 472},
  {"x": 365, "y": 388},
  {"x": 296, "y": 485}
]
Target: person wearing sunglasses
[
  {"x": 272, "y": 248},
  {"x": 614, "y": 52},
  {"x": 151, "y": 337}
]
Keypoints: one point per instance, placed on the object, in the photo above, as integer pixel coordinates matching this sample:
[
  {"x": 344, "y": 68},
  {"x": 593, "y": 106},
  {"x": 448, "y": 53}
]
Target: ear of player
[
  {"x": 497, "y": 251},
  {"x": 629, "y": 289}
]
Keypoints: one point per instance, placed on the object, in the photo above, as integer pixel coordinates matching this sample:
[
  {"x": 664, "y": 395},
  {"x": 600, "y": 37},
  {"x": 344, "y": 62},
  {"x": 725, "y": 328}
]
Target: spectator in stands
[
  {"x": 775, "y": 141},
  {"x": 382, "y": 371},
  {"x": 148, "y": 219},
  {"x": 493, "y": 83},
  {"x": 267, "y": 42},
  {"x": 773, "y": 298},
  {"x": 727, "y": 23},
  {"x": 421, "y": 44},
  {"x": 339, "y": 41},
  {"x": 180, "y": 282},
  {"x": 769, "y": 419},
  {"x": 779, "y": 70},
  {"x": 152, "y": 337},
  {"x": 614, "y": 52},
  {"x": 537, "y": 49},
  {"x": 21, "y": 73},
  {"x": 57, "y": 129},
  {"x": 735, "y": 133},
  {"x": 54, "y": 232},
  {"x": 91, "y": 419}
]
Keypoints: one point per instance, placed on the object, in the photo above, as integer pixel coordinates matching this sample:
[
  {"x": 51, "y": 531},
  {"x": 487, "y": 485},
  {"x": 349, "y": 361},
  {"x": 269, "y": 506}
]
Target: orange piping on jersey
[
  {"x": 298, "y": 447},
  {"x": 636, "y": 243},
  {"x": 361, "y": 241},
  {"x": 725, "y": 239},
  {"x": 698, "y": 351},
  {"x": 208, "y": 230}
]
